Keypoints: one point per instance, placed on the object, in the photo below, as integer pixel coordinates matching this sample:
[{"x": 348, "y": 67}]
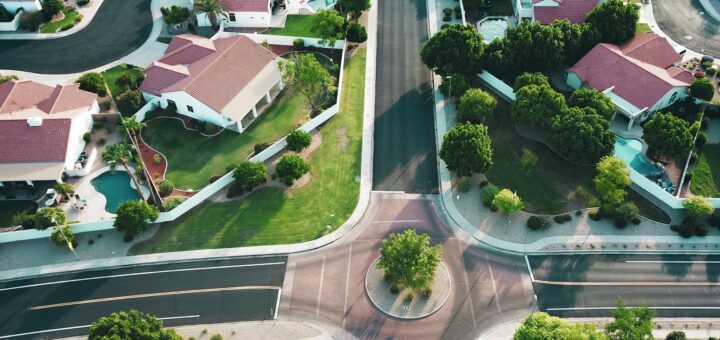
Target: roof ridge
[
  {"x": 57, "y": 99},
  {"x": 183, "y": 47},
  {"x": 9, "y": 95},
  {"x": 212, "y": 63}
]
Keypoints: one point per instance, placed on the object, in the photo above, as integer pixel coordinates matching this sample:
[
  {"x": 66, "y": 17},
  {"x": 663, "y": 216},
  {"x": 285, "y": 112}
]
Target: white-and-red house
[
  {"x": 41, "y": 129},
  {"x": 641, "y": 76},
  {"x": 226, "y": 81},
  {"x": 242, "y": 13},
  {"x": 547, "y": 11}
]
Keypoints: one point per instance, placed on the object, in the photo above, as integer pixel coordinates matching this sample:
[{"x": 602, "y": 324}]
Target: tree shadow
[{"x": 676, "y": 265}]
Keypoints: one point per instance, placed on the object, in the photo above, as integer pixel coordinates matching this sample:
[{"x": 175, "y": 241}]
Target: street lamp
[{"x": 69, "y": 244}]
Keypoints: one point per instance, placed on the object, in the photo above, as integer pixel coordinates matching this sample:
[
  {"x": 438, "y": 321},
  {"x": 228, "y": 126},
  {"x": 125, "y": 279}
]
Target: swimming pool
[
  {"x": 630, "y": 151},
  {"x": 115, "y": 186},
  {"x": 492, "y": 29}
]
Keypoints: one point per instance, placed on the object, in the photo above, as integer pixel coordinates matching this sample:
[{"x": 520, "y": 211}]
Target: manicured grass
[
  {"x": 274, "y": 216},
  {"x": 52, "y": 27},
  {"x": 500, "y": 7},
  {"x": 8, "y": 209},
  {"x": 706, "y": 175},
  {"x": 296, "y": 26},
  {"x": 642, "y": 28},
  {"x": 111, "y": 75},
  {"x": 194, "y": 158}
]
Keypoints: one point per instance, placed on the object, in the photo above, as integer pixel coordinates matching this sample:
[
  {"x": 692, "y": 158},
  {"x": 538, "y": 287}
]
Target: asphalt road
[
  {"x": 185, "y": 293},
  {"x": 589, "y": 285},
  {"x": 119, "y": 28},
  {"x": 404, "y": 152},
  {"x": 681, "y": 19}
]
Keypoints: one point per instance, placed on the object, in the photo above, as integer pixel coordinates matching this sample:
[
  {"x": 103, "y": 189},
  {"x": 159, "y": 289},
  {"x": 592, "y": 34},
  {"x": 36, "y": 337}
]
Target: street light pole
[{"x": 66, "y": 239}]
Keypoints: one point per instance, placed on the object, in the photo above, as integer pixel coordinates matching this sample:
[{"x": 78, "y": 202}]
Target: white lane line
[
  {"x": 143, "y": 273},
  {"x": 710, "y": 262},
  {"x": 630, "y": 283},
  {"x": 399, "y": 221},
  {"x": 322, "y": 280},
  {"x": 347, "y": 285},
  {"x": 532, "y": 278},
  {"x": 614, "y": 307},
  {"x": 277, "y": 304},
  {"x": 84, "y": 326}
]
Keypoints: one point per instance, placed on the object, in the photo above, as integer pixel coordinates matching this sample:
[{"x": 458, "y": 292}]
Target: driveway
[
  {"x": 119, "y": 28},
  {"x": 682, "y": 21},
  {"x": 404, "y": 152}
]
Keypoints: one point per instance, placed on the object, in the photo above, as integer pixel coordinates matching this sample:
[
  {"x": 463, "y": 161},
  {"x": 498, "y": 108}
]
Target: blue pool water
[
  {"x": 115, "y": 186},
  {"x": 630, "y": 151},
  {"x": 492, "y": 29}
]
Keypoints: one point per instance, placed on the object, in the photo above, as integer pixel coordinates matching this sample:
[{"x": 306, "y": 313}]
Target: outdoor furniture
[{"x": 50, "y": 197}]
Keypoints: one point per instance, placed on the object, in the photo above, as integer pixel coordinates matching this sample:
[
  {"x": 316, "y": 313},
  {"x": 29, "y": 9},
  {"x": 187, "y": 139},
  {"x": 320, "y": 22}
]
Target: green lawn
[
  {"x": 500, "y": 7},
  {"x": 296, "y": 26},
  {"x": 274, "y": 216},
  {"x": 8, "y": 209},
  {"x": 52, "y": 27},
  {"x": 706, "y": 175},
  {"x": 642, "y": 28},
  {"x": 194, "y": 158},
  {"x": 111, "y": 75}
]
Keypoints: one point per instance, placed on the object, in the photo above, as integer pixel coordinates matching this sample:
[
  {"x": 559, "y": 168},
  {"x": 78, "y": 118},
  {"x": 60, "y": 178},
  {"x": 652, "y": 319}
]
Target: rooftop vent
[{"x": 34, "y": 121}]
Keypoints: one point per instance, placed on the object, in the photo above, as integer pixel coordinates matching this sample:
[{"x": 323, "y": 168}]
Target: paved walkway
[{"x": 88, "y": 12}]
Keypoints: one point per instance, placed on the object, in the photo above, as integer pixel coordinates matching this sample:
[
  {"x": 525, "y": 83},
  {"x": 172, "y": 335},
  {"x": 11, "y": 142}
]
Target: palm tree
[
  {"x": 133, "y": 127},
  {"x": 64, "y": 189},
  {"x": 213, "y": 9},
  {"x": 121, "y": 152}
]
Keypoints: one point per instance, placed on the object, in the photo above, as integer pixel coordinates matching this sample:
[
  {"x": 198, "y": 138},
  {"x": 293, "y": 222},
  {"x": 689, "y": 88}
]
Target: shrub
[
  {"x": 209, "y": 128},
  {"x": 446, "y": 18},
  {"x": 714, "y": 220},
  {"x": 567, "y": 217},
  {"x": 93, "y": 82},
  {"x": 627, "y": 211},
  {"x": 62, "y": 235},
  {"x": 86, "y": 136},
  {"x": 444, "y": 26},
  {"x": 24, "y": 218},
  {"x": 51, "y": 8},
  {"x": 172, "y": 202},
  {"x": 129, "y": 102},
  {"x": 447, "y": 11},
  {"x": 298, "y": 43},
  {"x": 636, "y": 220},
  {"x": 216, "y": 337},
  {"x": 606, "y": 211},
  {"x": 166, "y": 187},
  {"x": 675, "y": 228},
  {"x": 235, "y": 189},
  {"x": 705, "y": 123},
  {"x": 706, "y": 64},
  {"x": 356, "y": 33},
  {"x": 106, "y": 105},
  {"x": 175, "y": 14},
  {"x": 688, "y": 176},
  {"x": 231, "y": 167},
  {"x": 595, "y": 215},
  {"x": 298, "y": 140},
  {"x": 483, "y": 183},
  {"x": 701, "y": 230},
  {"x": 31, "y": 21},
  {"x": 693, "y": 158},
  {"x": 702, "y": 138},
  {"x": 578, "y": 213},
  {"x": 427, "y": 291},
  {"x": 290, "y": 168},
  {"x": 687, "y": 230},
  {"x": 457, "y": 83},
  {"x": 259, "y": 147},
  {"x": 394, "y": 289},
  {"x": 488, "y": 193},
  {"x": 538, "y": 222},
  {"x": 464, "y": 185},
  {"x": 214, "y": 178},
  {"x": 711, "y": 71},
  {"x": 559, "y": 219},
  {"x": 157, "y": 159},
  {"x": 620, "y": 222},
  {"x": 457, "y": 9},
  {"x": 250, "y": 174},
  {"x": 82, "y": 2}
]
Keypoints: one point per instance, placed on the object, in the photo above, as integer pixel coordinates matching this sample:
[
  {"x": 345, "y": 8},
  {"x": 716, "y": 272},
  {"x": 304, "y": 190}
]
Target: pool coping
[{"x": 105, "y": 169}]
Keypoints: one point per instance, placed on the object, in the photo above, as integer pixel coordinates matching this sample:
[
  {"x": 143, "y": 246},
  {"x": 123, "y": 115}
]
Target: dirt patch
[{"x": 342, "y": 138}]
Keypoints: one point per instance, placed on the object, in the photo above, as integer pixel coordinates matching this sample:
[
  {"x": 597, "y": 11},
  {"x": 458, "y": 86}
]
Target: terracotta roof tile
[
  {"x": 17, "y": 96},
  {"x": 652, "y": 49},
  {"x": 573, "y": 10},
  {"x": 22, "y": 143},
  {"x": 247, "y": 5}
]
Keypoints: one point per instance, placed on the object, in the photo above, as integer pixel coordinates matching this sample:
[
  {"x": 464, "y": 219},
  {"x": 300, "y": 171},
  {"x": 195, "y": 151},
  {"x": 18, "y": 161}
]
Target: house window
[
  {"x": 171, "y": 103},
  {"x": 232, "y": 17},
  {"x": 190, "y": 108},
  {"x": 673, "y": 97}
]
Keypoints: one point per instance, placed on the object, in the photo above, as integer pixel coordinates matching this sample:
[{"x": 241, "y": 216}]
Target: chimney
[{"x": 34, "y": 121}]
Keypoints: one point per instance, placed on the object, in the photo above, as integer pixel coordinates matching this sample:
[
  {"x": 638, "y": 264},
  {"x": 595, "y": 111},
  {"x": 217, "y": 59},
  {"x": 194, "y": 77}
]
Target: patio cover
[{"x": 11, "y": 172}]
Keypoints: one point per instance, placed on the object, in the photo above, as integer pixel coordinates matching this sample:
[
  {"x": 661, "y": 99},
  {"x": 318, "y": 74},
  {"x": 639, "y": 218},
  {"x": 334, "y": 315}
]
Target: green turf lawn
[
  {"x": 296, "y": 26},
  {"x": 706, "y": 175},
  {"x": 194, "y": 158},
  {"x": 8, "y": 209},
  {"x": 642, "y": 28},
  {"x": 52, "y": 27},
  {"x": 546, "y": 182},
  {"x": 112, "y": 74},
  {"x": 274, "y": 216}
]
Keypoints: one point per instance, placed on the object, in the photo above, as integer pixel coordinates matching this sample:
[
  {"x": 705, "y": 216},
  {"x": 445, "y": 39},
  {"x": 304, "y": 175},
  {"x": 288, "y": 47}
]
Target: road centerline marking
[
  {"x": 628, "y": 283},
  {"x": 679, "y": 262},
  {"x": 150, "y": 295}
]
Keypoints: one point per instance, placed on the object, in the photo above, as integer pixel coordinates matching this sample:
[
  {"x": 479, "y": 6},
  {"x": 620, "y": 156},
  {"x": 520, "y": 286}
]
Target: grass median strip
[{"x": 275, "y": 216}]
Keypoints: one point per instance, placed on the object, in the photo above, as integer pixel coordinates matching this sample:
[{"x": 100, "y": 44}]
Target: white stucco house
[
  {"x": 13, "y": 6},
  {"x": 547, "y": 11},
  {"x": 242, "y": 13},
  {"x": 41, "y": 129},
  {"x": 640, "y": 76},
  {"x": 227, "y": 81}
]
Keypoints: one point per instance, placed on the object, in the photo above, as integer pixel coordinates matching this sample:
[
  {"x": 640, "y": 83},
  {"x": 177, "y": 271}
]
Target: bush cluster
[
  {"x": 690, "y": 227},
  {"x": 560, "y": 219},
  {"x": 165, "y": 187},
  {"x": 538, "y": 222},
  {"x": 488, "y": 192}
]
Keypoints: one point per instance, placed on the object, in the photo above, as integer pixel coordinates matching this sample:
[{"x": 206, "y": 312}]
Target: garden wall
[
  {"x": 11, "y": 26},
  {"x": 498, "y": 86},
  {"x": 282, "y": 39}
]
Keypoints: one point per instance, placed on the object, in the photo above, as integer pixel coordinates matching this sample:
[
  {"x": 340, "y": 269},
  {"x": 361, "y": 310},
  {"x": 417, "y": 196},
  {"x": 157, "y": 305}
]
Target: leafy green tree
[
  {"x": 456, "y": 49},
  {"x": 702, "y": 88},
  {"x": 51, "y": 8},
  {"x": 669, "y": 135},
  {"x": 541, "y": 326},
  {"x": 578, "y": 39},
  {"x": 612, "y": 180},
  {"x": 133, "y": 127},
  {"x": 698, "y": 207},
  {"x": 494, "y": 59},
  {"x": 62, "y": 235},
  {"x": 532, "y": 47},
  {"x": 93, "y": 82},
  {"x": 298, "y": 140},
  {"x": 535, "y": 106},
  {"x": 7, "y": 78},
  {"x": 508, "y": 202},
  {"x": 212, "y": 9},
  {"x": 308, "y": 76},
  {"x": 130, "y": 325},
  {"x": 354, "y": 7},
  {"x": 356, "y": 33},
  {"x": 466, "y": 149},
  {"x": 31, "y": 21},
  {"x": 475, "y": 105},
  {"x": 630, "y": 323},
  {"x": 175, "y": 14},
  {"x": 592, "y": 98},
  {"x": 409, "y": 260},
  {"x": 250, "y": 174},
  {"x": 133, "y": 216},
  {"x": 121, "y": 153},
  {"x": 49, "y": 216},
  {"x": 329, "y": 25},
  {"x": 531, "y": 78},
  {"x": 127, "y": 81},
  {"x": 129, "y": 102},
  {"x": 65, "y": 189},
  {"x": 676, "y": 335},
  {"x": 582, "y": 136},
  {"x": 615, "y": 21},
  {"x": 627, "y": 211},
  {"x": 290, "y": 168},
  {"x": 456, "y": 83}
]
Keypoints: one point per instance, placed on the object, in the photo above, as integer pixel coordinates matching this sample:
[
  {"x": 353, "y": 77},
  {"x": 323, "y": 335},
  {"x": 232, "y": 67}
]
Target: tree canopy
[
  {"x": 698, "y": 206},
  {"x": 612, "y": 180},
  {"x": 630, "y": 323},
  {"x": 531, "y": 78},
  {"x": 669, "y": 135},
  {"x": 250, "y": 174},
  {"x": 702, "y": 88},
  {"x": 409, "y": 260},
  {"x": 354, "y": 7},
  {"x": 535, "y": 106},
  {"x": 309, "y": 76},
  {"x": 456, "y": 49},
  {"x": 133, "y": 216},
  {"x": 130, "y": 325},
  {"x": 62, "y": 235},
  {"x": 592, "y": 98},
  {"x": 475, "y": 105},
  {"x": 329, "y": 25},
  {"x": 212, "y": 9},
  {"x": 466, "y": 149},
  {"x": 507, "y": 202},
  {"x": 298, "y": 140},
  {"x": 290, "y": 168},
  {"x": 93, "y": 82},
  {"x": 175, "y": 14},
  {"x": 582, "y": 136},
  {"x": 541, "y": 326},
  {"x": 615, "y": 21},
  {"x": 356, "y": 33},
  {"x": 129, "y": 102}
]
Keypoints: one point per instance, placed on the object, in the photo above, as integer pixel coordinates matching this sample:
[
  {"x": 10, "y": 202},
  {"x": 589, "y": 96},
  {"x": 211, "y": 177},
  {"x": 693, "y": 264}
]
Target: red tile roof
[
  {"x": 652, "y": 49},
  {"x": 214, "y": 76},
  {"x": 573, "y": 10},
  {"x": 22, "y": 143},
  {"x": 17, "y": 96},
  {"x": 247, "y": 5},
  {"x": 640, "y": 83}
]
